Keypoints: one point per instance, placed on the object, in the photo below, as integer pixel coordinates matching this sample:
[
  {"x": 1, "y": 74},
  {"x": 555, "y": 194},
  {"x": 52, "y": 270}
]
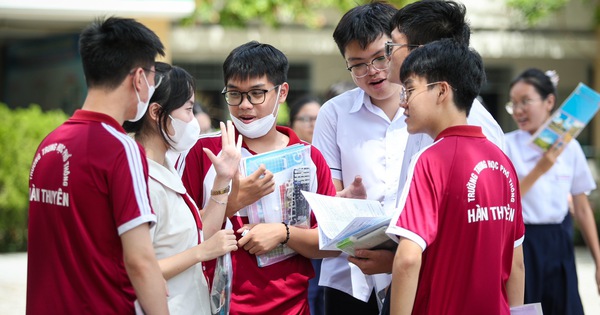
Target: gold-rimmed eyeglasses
[{"x": 405, "y": 93}]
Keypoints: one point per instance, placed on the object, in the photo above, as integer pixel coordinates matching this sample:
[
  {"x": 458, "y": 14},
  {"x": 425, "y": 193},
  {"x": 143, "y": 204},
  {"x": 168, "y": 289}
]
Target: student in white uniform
[
  {"x": 361, "y": 132},
  {"x": 178, "y": 236},
  {"x": 546, "y": 181},
  {"x": 417, "y": 24}
]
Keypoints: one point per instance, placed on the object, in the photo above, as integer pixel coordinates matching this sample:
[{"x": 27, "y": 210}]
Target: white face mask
[
  {"x": 142, "y": 106},
  {"x": 186, "y": 134},
  {"x": 259, "y": 127}
]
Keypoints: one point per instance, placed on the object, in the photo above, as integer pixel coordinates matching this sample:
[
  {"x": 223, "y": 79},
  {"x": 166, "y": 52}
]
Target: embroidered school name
[
  {"x": 486, "y": 213},
  {"x": 479, "y": 214},
  {"x": 53, "y": 197}
]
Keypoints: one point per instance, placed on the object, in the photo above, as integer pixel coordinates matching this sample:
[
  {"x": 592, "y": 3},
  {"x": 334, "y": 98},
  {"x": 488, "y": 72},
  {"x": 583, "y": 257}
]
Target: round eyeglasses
[
  {"x": 362, "y": 69},
  {"x": 405, "y": 93},
  {"x": 389, "y": 48},
  {"x": 511, "y": 107},
  {"x": 254, "y": 96}
]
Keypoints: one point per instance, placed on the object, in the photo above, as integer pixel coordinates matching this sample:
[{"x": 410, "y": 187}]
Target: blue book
[{"x": 569, "y": 119}]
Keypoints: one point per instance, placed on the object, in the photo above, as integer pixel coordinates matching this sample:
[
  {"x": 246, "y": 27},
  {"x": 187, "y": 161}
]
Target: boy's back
[
  {"x": 87, "y": 170},
  {"x": 462, "y": 205}
]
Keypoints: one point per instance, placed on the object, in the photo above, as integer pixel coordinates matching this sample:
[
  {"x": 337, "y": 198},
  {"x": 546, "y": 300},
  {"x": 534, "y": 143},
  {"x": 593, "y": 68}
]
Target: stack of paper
[{"x": 348, "y": 224}]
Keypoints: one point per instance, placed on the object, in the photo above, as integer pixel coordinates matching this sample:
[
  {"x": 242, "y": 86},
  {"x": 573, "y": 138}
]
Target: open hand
[{"x": 228, "y": 161}]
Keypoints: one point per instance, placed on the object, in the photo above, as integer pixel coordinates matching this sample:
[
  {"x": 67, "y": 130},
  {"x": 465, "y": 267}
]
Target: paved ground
[{"x": 13, "y": 270}]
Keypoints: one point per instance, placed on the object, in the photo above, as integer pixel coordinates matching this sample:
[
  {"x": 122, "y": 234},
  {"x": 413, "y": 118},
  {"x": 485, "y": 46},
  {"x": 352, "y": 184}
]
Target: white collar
[{"x": 167, "y": 176}]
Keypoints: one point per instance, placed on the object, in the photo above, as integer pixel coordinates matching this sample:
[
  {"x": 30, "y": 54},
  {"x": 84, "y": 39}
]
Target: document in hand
[
  {"x": 348, "y": 224},
  {"x": 527, "y": 309},
  {"x": 569, "y": 119},
  {"x": 292, "y": 172}
]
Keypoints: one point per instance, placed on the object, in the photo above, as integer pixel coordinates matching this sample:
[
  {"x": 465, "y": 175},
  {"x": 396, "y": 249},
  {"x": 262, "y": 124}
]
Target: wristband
[
  {"x": 287, "y": 232},
  {"x": 217, "y": 201},
  {"x": 221, "y": 191}
]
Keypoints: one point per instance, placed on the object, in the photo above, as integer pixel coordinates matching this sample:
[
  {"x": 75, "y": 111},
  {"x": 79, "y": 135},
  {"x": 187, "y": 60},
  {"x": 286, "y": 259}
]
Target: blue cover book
[{"x": 569, "y": 119}]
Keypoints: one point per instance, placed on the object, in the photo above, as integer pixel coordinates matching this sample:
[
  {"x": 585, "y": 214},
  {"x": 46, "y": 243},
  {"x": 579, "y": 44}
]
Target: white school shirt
[
  {"x": 357, "y": 138},
  {"x": 176, "y": 231},
  {"x": 547, "y": 200},
  {"x": 478, "y": 116}
]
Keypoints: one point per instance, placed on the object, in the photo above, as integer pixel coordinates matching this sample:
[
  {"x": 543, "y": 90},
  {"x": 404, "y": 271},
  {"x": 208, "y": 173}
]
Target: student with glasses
[
  {"x": 303, "y": 115},
  {"x": 459, "y": 224},
  {"x": 255, "y": 78},
  {"x": 416, "y": 24},
  {"x": 546, "y": 181},
  {"x": 89, "y": 247},
  {"x": 361, "y": 133}
]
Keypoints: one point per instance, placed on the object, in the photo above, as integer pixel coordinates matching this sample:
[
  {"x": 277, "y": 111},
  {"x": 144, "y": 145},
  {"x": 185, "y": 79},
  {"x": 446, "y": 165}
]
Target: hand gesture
[
  {"x": 221, "y": 243},
  {"x": 262, "y": 238},
  {"x": 373, "y": 262},
  {"x": 356, "y": 190},
  {"x": 227, "y": 163},
  {"x": 246, "y": 191}
]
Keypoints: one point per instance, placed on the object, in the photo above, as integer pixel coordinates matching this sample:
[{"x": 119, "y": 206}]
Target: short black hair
[
  {"x": 254, "y": 60},
  {"x": 176, "y": 88},
  {"x": 364, "y": 24},
  {"x": 426, "y": 21},
  {"x": 450, "y": 61},
  {"x": 111, "y": 48}
]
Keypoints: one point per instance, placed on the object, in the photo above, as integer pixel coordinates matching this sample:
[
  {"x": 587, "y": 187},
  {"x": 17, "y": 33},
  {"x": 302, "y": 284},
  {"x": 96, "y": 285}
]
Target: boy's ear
[
  {"x": 283, "y": 93},
  {"x": 444, "y": 92}
]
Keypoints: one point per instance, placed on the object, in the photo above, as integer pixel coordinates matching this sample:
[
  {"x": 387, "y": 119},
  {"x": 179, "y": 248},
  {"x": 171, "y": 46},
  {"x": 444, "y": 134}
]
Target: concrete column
[{"x": 162, "y": 28}]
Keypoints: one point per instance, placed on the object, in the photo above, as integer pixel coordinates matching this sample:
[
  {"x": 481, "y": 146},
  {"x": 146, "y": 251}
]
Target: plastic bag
[{"x": 220, "y": 293}]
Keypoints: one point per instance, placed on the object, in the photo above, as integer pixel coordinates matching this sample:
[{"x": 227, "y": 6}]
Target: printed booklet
[
  {"x": 569, "y": 119},
  {"x": 347, "y": 224}
]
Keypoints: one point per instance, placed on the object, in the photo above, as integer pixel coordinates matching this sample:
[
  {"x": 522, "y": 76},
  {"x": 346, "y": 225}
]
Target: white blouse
[
  {"x": 547, "y": 200},
  {"x": 176, "y": 231}
]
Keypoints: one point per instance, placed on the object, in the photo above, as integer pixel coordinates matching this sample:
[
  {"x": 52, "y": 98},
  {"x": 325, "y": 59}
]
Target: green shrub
[{"x": 21, "y": 131}]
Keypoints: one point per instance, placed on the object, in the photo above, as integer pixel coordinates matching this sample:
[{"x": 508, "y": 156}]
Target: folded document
[{"x": 348, "y": 224}]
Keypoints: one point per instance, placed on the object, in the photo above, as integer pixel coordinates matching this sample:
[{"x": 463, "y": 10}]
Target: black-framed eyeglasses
[
  {"x": 158, "y": 77},
  {"x": 362, "y": 69},
  {"x": 405, "y": 93},
  {"x": 389, "y": 48},
  {"x": 254, "y": 96}
]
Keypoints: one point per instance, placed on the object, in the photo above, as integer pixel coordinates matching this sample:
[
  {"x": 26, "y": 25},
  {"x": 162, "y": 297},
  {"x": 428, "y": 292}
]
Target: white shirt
[
  {"x": 546, "y": 202},
  {"x": 357, "y": 138},
  {"x": 176, "y": 231},
  {"x": 478, "y": 116}
]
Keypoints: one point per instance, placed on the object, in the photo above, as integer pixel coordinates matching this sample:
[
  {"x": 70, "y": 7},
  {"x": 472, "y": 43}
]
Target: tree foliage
[
  {"x": 21, "y": 131},
  {"x": 270, "y": 12},
  {"x": 535, "y": 10}
]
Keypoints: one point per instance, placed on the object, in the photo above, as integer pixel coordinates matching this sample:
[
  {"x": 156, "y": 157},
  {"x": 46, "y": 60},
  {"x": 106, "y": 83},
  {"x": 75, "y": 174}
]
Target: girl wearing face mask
[
  {"x": 183, "y": 236},
  {"x": 546, "y": 180}
]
